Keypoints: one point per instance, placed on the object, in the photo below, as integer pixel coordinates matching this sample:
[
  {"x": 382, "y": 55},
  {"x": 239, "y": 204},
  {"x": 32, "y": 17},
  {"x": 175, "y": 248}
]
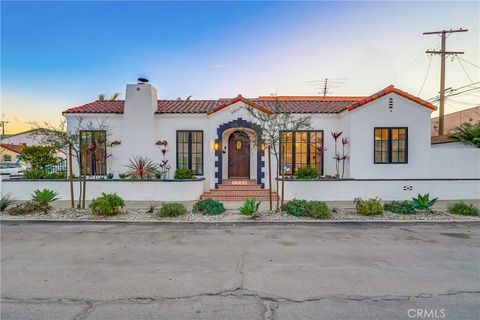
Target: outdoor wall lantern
[
  {"x": 161, "y": 143},
  {"x": 216, "y": 146},
  {"x": 115, "y": 143}
]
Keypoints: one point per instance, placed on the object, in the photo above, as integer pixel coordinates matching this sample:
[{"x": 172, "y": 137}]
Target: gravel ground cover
[{"x": 228, "y": 216}]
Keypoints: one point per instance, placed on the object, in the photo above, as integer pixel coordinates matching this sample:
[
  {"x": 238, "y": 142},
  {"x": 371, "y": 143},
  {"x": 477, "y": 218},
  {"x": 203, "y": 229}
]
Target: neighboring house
[
  {"x": 389, "y": 134},
  {"x": 26, "y": 138},
  {"x": 454, "y": 119},
  {"x": 10, "y": 152}
]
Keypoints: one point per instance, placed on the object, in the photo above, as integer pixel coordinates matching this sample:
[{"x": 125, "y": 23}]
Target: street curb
[{"x": 234, "y": 223}]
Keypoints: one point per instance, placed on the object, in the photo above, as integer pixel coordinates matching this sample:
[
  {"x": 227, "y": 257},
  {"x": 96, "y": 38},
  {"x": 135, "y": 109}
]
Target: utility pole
[
  {"x": 3, "y": 123},
  {"x": 443, "y": 53},
  {"x": 325, "y": 88}
]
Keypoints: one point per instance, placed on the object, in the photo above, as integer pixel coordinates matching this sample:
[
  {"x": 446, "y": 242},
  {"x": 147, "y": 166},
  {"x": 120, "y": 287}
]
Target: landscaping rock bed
[{"x": 229, "y": 216}]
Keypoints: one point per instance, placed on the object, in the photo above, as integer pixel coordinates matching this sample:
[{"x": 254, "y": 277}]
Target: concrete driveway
[{"x": 140, "y": 271}]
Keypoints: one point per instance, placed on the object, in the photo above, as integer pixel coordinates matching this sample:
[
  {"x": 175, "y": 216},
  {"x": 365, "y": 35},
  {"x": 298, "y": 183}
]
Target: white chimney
[{"x": 139, "y": 120}]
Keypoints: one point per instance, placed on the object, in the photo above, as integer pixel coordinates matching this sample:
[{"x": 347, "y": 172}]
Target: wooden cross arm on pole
[
  {"x": 446, "y": 31},
  {"x": 444, "y": 52}
]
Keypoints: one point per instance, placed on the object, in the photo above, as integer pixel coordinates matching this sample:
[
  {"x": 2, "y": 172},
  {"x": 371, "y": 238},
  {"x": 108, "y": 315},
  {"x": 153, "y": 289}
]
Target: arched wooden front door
[{"x": 238, "y": 155}]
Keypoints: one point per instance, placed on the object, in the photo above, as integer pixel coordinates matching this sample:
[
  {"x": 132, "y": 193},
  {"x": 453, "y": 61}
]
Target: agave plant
[
  {"x": 250, "y": 207},
  {"x": 423, "y": 202},
  {"x": 141, "y": 168},
  {"x": 45, "y": 196},
  {"x": 5, "y": 201},
  {"x": 467, "y": 133}
]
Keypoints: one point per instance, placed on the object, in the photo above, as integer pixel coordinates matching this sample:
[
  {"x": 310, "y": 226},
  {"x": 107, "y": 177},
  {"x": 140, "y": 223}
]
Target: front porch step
[
  {"x": 220, "y": 197},
  {"x": 239, "y": 190},
  {"x": 232, "y": 191},
  {"x": 239, "y": 187},
  {"x": 239, "y": 181}
]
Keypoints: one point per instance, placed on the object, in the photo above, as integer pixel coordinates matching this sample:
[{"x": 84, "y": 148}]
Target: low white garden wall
[
  {"x": 454, "y": 160},
  {"x": 347, "y": 190},
  {"x": 158, "y": 190}
]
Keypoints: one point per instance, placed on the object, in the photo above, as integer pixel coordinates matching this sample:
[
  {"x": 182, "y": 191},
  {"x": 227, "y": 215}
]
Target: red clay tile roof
[
  {"x": 290, "y": 105},
  {"x": 115, "y": 106},
  {"x": 388, "y": 90},
  {"x": 17, "y": 148},
  {"x": 287, "y": 104}
]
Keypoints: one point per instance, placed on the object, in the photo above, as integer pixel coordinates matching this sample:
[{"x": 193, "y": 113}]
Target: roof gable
[
  {"x": 239, "y": 98},
  {"x": 388, "y": 90}
]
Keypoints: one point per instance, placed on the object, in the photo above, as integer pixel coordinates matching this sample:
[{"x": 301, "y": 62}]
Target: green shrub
[
  {"x": 108, "y": 204},
  {"x": 39, "y": 157},
  {"x": 45, "y": 196},
  {"x": 171, "y": 210},
  {"x": 423, "y": 202},
  {"x": 296, "y": 207},
  {"x": 182, "y": 173},
  {"x": 123, "y": 176},
  {"x": 109, "y": 176},
  {"x": 318, "y": 210},
  {"x": 28, "y": 207},
  {"x": 370, "y": 207},
  {"x": 307, "y": 172},
  {"x": 463, "y": 209},
  {"x": 37, "y": 173},
  {"x": 250, "y": 207},
  {"x": 209, "y": 206},
  {"x": 402, "y": 207},
  {"x": 5, "y": 201}
]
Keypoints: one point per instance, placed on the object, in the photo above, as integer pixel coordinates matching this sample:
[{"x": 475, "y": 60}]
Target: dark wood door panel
[{"x": 238, "y": 155}]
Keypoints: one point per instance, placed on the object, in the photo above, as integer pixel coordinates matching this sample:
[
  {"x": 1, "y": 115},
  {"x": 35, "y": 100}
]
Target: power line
[
  {"x": 426, "y": 75},
  {"x": 465, "y": 71},
  {"x": 453, "y": 90},
  {"x": 469, "y": 62}
]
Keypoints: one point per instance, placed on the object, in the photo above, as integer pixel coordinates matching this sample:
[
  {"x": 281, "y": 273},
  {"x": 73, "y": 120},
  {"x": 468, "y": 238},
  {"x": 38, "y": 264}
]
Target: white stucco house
[{"x": 388, "y": 132}]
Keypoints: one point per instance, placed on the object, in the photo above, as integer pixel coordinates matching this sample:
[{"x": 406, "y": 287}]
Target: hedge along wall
[
  {"x": 158, "y": 190},
  {"x": 347, "y": 190}
]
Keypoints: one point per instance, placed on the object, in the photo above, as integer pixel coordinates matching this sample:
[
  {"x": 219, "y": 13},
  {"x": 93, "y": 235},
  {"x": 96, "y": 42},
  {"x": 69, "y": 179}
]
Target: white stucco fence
[
  {"x": 177, "y": 190},
  {"x": 347, "y": 190},
  {"x": 326, "y": 190}
]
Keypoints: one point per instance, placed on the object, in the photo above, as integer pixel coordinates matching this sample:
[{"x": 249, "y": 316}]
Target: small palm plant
[
  {"x": 41, "y": 199},
  {"x": 250, "y": 207},
  {"x": 423, "y": 202},
  {"x": 141, "y": 168},
  {"x": 5, "y": 202},
  {"x": 467, "y": 133},
  {"x": 44, "y": 197}
]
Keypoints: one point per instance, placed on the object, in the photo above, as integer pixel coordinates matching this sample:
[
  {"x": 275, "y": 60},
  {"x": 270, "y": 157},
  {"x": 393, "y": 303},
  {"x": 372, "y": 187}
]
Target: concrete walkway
[{"x": 127, "y": 271}]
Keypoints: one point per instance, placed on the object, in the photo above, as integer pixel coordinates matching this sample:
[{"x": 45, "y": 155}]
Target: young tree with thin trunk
[
  {"x": 60, "y": 138},
  {"x": 272, "y": 126}
]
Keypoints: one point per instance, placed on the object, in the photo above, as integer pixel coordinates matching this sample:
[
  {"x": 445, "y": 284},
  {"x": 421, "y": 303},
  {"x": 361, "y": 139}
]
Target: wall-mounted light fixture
[
  {"x": 115, "y": 143},
  {"x": 161, "y": 143},
  {"x": 216, "y": 146},
  {"x": 264, "y": 147}
]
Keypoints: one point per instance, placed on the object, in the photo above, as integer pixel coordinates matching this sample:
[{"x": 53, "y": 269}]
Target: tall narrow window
[
  {"x": 93, "y": 146},
  {"x": 391, "y": 145},
  {"x": 301, "y": 149},
  {"x": 190, "y": 150}
]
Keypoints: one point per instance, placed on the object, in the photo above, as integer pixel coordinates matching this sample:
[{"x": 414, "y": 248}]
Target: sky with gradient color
[{"x": 56, "y": 55}]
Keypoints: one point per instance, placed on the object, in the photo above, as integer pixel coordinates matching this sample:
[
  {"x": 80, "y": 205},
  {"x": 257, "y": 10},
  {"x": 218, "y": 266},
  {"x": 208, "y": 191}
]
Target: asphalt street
[{"x": 196, "y": 271}]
